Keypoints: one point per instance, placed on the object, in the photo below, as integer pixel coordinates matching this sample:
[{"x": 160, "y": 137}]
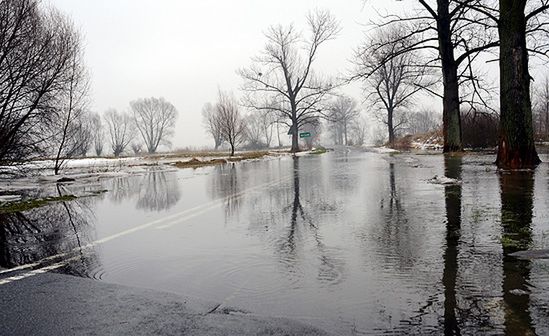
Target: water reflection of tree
[
  {"x": 330, "y": 268},
  {"x": 517, "y": 190},
  {"x": 158, "y": 192},
  {"x": 397, "y": 241},
  {"x": 226, "y": 185},
  {"x": 452, "y": 195},
  {"x": 155, "y": 191},
  {"x": 64, "y": 227}
]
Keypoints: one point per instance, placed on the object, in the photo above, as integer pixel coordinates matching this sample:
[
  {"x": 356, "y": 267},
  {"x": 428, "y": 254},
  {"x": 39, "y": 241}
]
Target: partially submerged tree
[
  {"x": 231, "y": 123},
  {"x": 155, "y": 120},
  {"x": 516, "y": 138},
  {"x": 120, "y": 130},
  {"x": 456, "y": 34},
  {"x": 395, "y": 76},
  {"x": 284, "y": 73},
  {"x": 210, "y": 121}
]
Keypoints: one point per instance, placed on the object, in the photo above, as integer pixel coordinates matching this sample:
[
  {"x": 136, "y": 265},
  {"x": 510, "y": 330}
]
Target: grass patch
[
  {"x": 320, "y": 150},
  {"x": 196, "y": 163},
  {"x": 13, "y": 207}
]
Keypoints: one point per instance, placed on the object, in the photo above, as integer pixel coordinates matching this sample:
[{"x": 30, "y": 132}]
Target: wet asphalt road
[
  {"x": 348, "y": 242},
  {"x": 55, "y": 304}
]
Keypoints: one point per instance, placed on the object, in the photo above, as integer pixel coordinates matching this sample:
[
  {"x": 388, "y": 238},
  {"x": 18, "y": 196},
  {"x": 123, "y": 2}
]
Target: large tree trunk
[
  {"x": 390, "y": 128},
  {"x": 451, "y": 120},
  {"x": 516, "y": 148},
  {"x": 295, "y": 134}
]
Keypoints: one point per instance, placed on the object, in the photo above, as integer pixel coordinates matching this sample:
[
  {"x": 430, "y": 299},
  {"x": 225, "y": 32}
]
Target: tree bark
[
  {"x": 451, "y": 120},
  {"x": 295, "y": 133},
  {"x": 516, "y": 148},
  {"x": 390, "y": 128}
]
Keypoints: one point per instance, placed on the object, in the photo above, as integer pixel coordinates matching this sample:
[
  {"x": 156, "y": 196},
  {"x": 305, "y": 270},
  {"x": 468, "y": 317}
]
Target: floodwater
[{"x": 351, "y": 242}]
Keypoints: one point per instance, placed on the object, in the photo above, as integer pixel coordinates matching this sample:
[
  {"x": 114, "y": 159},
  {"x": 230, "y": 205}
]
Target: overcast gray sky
[{"x": 184, "y": 50}]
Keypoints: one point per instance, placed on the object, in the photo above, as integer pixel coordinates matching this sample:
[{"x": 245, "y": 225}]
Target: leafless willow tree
[
  {"x": 36, "y": 48},
  {"x": 231, "y": 123},
  {"x": 211, "y": 123},
  {"x": 120, "y": 129},
  {"x": 98, "y": 133},
  {"x": 72, "y": 135},
  {"x": 341, "y": 113},
  {"x": 395, "y": 77},
  {"x": 155, "y": 120},
  {"x": 284, "y": 73}
]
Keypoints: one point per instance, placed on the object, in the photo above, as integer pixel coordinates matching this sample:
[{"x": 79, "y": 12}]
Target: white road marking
[
  {"x": 38, "y": 271},
  {"x": 193, "y": 212}
]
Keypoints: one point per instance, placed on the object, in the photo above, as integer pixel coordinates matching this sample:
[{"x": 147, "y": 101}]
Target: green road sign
[{"x": 305, "y": 134}]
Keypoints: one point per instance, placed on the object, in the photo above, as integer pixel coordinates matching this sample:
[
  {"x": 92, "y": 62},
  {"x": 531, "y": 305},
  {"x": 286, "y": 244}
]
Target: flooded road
[{"x": 351, "y": 242}]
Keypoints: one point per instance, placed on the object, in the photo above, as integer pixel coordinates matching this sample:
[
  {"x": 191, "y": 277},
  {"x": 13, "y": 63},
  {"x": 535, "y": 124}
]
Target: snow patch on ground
[
  {"x": 444, "y": 180},
  {"x": 381, "y": 150}
]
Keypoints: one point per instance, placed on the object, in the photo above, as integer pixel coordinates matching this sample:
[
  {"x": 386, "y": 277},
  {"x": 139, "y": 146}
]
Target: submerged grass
[
  {"x": 196, "y": 163},
  {"x": 320, "y": 150},
  {"x": 21, "y": 206}
]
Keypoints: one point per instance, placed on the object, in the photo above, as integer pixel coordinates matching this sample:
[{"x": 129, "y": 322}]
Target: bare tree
[
  {"x": 260, "y": 128},
  {"x": 231, "y": 123},
  {"x": 73, "y": 137},
  {"x": 210, "y": 121},
  {"x": 36, "y": 48},
  {"x": 540, "y": 108},
  {"x": 454, "y": 33},
  {"x": 120, "y": 130},
  {"x": 255, "y": 132},
  {"x": 82, "y": 135},
  {"x": 423, "y": 121},
  {"x": 155, "y": 121},
  {"x": 98, "y": 133},
  {"x": 395, "y": 77},
  {"x": 342, "y": 112},
  {"x": 284, "y": 73},
  {"x": 359, "y": 129}
]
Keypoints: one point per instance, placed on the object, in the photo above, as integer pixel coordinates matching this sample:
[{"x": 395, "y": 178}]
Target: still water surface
[{"x": 351, "y": 242}]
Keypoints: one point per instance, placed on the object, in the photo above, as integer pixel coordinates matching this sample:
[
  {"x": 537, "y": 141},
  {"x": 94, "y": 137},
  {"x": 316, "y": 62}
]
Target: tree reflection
[
  {"x": 397, "y": 242},
  {"x": 225, "y": 184},
  {"x": 517, "y": 190},
  {"x": 452, "y": 193},
  {"x": 158, "y": 192},
  {"x": 330, "y": 268},
  {"x": 155, "y": 191},
  {"x": 63, "y": 227}
]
